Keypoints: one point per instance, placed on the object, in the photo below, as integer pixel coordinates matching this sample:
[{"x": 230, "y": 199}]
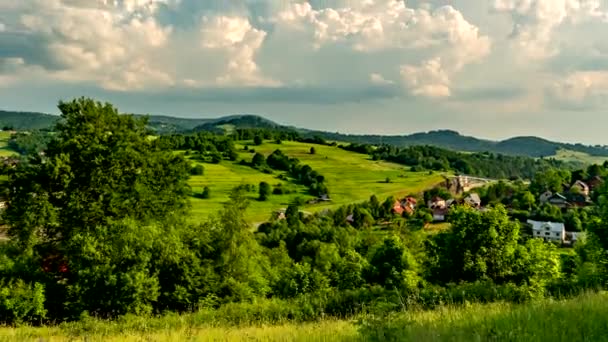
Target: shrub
[
  {"x": 21, "y": 302},
  {"x": 197, "y": 170},
  {"x": 206, "y": 193}
]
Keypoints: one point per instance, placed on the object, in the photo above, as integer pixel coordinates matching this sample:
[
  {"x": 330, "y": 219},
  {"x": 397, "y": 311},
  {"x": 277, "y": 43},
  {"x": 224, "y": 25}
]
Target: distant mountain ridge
[{"x": 523, "y": 146}]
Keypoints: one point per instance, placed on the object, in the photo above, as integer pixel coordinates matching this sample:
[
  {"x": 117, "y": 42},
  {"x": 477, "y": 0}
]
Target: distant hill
[
  {"x": 26, "y": 120},
  {"x": 522, "y": 146}
]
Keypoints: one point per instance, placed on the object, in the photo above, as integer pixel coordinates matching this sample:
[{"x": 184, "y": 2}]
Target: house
[
  {"x": 406, "y": 205},
  {"x": 549, "y": 231},
  {"x": 573, "y": 237},
  {"x": 473, "y": 200},
  {"x": 558, "y": 200},
  {"x": 544, "y": 197},
  {"x": 579, "y": 200},
  {"x": 440, "y": 214},
  {"x": 437, "y": 203},
  {"x": 580, "y": 187}
]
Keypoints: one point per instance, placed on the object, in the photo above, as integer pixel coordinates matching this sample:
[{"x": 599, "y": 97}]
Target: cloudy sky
[{"x": 490, "y": 68}]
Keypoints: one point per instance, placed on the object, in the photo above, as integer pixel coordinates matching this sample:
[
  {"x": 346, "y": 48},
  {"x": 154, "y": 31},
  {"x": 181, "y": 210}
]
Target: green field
[
  {"x": 351, "y": 177},
  {"x": 584, "y": 318},
  {"x": 5, "y": 151},
  {"x": 573, "y": 156}
]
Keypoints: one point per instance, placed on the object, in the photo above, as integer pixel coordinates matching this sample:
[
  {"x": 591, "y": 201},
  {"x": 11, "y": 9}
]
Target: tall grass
[{"x": 584, "y": 318}]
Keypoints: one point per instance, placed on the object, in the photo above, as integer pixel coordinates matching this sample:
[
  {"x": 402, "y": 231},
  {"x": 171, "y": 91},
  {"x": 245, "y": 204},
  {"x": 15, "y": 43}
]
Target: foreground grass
[
  {"x": 351, "y": 177},
  {"x": 580, "y": 319},
  {"x": 584, "y": 318}
]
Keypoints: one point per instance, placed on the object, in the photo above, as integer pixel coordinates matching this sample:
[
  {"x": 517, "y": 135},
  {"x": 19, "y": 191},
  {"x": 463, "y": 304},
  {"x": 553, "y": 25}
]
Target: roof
[
  {"x": 473, "y": 198},
  {"x": 553, "y": 226},
  {"x": 581, "y": 184},
  {"x": 560, "y": 196},
  {"x": 437, "y": 199},
  {"x": 411, "y": 200}
]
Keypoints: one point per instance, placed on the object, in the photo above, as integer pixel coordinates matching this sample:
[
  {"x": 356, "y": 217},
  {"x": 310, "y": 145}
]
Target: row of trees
[{"x": 476, "y": 164}]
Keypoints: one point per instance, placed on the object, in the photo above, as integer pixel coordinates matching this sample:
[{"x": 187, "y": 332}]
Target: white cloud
[
  {"x": 535, "y": 21},
  {"x": 378, "y": 79},
  {"x": 581, "y": 89},
  {"x": 389, "y": 25},
  {"x": 240, "y": 41},
  {"x": 429, "y": 79}
]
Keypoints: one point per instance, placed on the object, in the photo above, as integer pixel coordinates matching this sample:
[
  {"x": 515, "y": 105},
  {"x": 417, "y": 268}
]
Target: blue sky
[{"x": 489, "y": 68}]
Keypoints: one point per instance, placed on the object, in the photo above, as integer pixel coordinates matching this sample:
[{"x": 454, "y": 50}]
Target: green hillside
[
  {"x": 351, "y": 177},
  {"x": 580, "y": 157}
]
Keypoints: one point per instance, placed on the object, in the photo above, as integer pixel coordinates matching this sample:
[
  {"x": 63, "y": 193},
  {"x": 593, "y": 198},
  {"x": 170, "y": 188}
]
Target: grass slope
[
  {"x": 351, "y": 177},
  {"x": 5, "y": 151},
  {"x": 584, "y": 318},
  {"x": 580, "y": 157}
]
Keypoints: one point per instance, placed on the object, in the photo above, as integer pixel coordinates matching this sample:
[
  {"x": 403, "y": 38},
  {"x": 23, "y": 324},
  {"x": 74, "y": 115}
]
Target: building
[
  {"x": 437, "y": 203},
  {"x": 406, "y": 205},
  {"x": 559, "y": 201},
  {"x": 549, "y": 231},
  {"x": 473, "y": 200},
  {"x": 580, "y": 187},
  {"x": 544, "y": 197}
]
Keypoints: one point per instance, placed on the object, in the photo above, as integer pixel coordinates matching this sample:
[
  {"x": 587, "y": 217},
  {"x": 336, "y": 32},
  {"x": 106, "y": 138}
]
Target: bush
[
  {"x": 206, "y": 193},
  {"x": 257, "y": 140},
  {"x": 198, "y": 170},
  {"x": 21, "y": 302},
  {"x": 265, "y": 191}
]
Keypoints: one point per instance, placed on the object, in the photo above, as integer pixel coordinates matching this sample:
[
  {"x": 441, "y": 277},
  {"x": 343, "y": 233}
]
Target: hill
[
  {"x": 26, "y": 120},
  {"x": 351, "y": 177},
  {"x": 521, "y": 146}
]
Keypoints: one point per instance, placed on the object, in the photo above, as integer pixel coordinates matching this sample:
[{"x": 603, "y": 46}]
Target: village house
[
  {"x": 437, "y": 203},
  {"x": 558, "y": 200},
  {"x": 406, "y": 205},
  {"x": 580, "y": 187},
  {"x": 473, "y": 200},
  {"x": 545, "y": 196},
  {"x": 549, "y": 231}
]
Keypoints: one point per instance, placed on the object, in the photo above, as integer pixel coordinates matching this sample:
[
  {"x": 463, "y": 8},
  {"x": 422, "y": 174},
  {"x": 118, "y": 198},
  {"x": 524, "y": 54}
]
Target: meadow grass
[
  {"x": 584, "y": 318},
  {"x": 5, "y": 151},
  {"x": 581, "y": 157},
  {"x": 351, "y": 177}
]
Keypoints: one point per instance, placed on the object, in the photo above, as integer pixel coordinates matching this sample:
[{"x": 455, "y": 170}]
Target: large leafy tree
[{"x": 92, "y": 208}]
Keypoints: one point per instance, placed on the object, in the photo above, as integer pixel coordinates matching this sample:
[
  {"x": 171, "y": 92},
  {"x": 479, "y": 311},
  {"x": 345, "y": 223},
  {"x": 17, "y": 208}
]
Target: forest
[{"x": 97, "y": 229}]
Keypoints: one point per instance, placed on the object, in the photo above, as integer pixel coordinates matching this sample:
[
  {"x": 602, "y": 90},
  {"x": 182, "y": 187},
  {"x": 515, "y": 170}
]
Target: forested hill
[{"x": 521, "y": 146}]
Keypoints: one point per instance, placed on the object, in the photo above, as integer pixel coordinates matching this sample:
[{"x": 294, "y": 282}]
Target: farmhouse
[
  {"x": 549, "y": 231},
  {"x": 437, "y": 203},
  {"x": 558, "y": 200},
  {"x": 406, "y": 205},
  {"x": 580, "y": 187},
  {"x": 473, "y": 200}
]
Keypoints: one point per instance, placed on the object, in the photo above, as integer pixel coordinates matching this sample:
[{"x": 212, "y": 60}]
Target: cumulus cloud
[
  {"x": 535, "y": 21},
  {"x": 580, "y": 90},
  {"x": 373, "y": 26}
]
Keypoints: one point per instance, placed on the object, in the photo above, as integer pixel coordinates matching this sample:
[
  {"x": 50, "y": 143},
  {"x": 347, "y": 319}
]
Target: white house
[{"x": 550, "y": 231}]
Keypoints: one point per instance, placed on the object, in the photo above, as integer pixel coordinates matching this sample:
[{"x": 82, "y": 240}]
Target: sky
[{"x": 488, "y": 68}]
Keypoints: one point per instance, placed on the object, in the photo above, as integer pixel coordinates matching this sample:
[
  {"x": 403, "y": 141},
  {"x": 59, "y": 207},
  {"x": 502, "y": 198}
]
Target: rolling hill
[
  {"x": 522, "y": 146},
  {"x": 351, "y": 177}
]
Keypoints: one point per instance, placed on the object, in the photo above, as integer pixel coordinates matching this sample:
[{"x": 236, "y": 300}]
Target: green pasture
[{"x": 350, "y": 177}]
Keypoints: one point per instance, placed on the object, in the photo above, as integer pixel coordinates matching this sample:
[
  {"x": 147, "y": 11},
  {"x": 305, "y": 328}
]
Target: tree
[
  {"x": 206, "y": 193},
  {"x": 198, "y": 170},
  {"x": 258, "y": 160},
  {"x": 257, "y": 140},
  {"x": 97, "y": 202},
  {"x": 481, "y": 245},
  {"x": 527, "y": 200},
  {"x": 313, "y": 150},
  {"x": 265, "y": 191}
]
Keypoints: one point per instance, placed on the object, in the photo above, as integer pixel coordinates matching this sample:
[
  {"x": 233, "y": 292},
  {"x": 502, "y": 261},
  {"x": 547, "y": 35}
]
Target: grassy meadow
[
  {"x": 351, "y": 177},
  {"x": 584, "y": 318},
  {"x": 5, "y": 151},
  {"x": 574, "y": 156}
]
